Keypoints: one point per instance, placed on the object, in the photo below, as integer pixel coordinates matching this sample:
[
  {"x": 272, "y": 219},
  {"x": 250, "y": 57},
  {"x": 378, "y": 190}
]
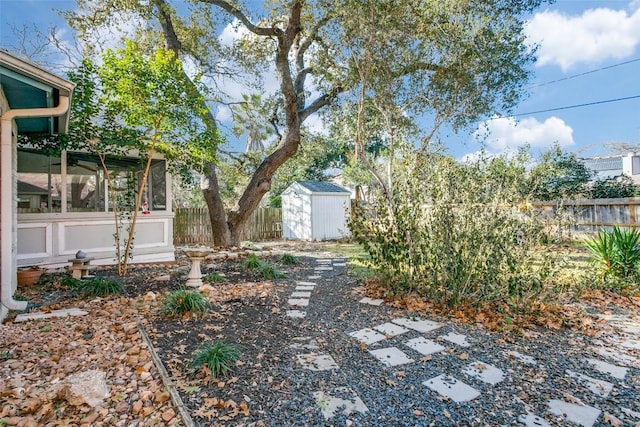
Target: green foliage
[
  {"x": 615, "y": 254},
  {"x": 613, "y": 188},
  {"x": 218, "y": 357},
  {"x": 100, "y": 286},
  {"x": 455, "y": 234},
  {"x": 71, "y": 282},
  {"x": 214, "y": 277},
  {"x": 253, "y": 262},
  {"x": 558, "y": 175},
  {"x": 270, "y": 271},
  {"x": 182, "y": 301},
  {"x": 289, "y": 259}
]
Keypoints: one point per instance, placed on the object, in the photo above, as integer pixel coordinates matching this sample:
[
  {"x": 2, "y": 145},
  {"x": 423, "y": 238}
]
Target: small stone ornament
[{"x": 81, "y": 254}]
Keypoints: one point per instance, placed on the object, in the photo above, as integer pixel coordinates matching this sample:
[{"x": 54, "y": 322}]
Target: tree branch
[
  {"x": 320, "y": 102},
  {"x": 237, "y": 13}
]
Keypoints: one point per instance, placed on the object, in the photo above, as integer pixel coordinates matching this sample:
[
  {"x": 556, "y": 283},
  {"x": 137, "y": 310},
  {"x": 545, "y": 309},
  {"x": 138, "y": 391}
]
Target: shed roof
[
  {"x": 322, "y": 187},
  {"x": 604, "y": 163}
]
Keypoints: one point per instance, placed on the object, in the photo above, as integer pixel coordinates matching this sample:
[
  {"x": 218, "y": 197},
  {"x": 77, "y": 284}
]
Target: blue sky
[{"x": 601, "y": 38}]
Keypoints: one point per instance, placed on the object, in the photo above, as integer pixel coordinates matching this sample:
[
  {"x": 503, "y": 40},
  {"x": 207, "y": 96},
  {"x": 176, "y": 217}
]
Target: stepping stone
[
  {"x": 367, "y": 300},
  {"x": 296, "y": 314},
  {"x": 580, "y": 414},
  {"x": 24, "y": 317},
  {"x": 324, "y": 261},
  {"x": 391, "y": 356},
  {"x": 607, "y": 368},
  {"x": 323, "y": 268},
  {"x": 367, "y": 336},
  {"x": 424, "y": 346},
  {"x": 521, "y": 357},
  {"x": 339, "y": 264},
  {"x": 531, "y": 420},
  {"x": 301, "y": 342},
  {"x": 390, "y": 329},
  {"x": 305, "y": 288},
  {"x": 417, "y": 324},
  {"x": 596, "y": 386},
  {"x": 317, "y": 362},
  {"x": 301, "y": 283},
  {"x": 632, "y": 344},
  {"x": 162, "y": 278},
  {"x": 301, "y": 294},
  {"x": 314, "y": 277},
  {"x": 450, "y": 387},
  {"x": 617, "y": 356},
  {"x": 484, "y": 372},
  {"x": 302, "y": 302},
  {"x": 458, "y": 339},
  {"x": 630, "y": 413},
  {"x": 341, "y": 399}
]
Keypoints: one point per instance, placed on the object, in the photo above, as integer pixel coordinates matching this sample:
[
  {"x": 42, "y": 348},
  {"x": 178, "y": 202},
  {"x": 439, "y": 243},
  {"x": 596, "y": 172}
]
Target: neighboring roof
[
  {"x": 322, "y": 187},
  {"x": 27, "y": 188},
  {"x": 27, "y": 85},
  {"x": 604, "y": 167}
]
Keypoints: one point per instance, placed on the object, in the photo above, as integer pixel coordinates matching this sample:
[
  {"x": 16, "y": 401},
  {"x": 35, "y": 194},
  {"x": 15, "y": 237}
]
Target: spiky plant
[
  {"x": 270, "y": 271},
  {"x": 289, "y": 259},
  {"x": 182, "y": 301},
  {"x": 100, "y": 286},
  {"x": 615, "y": 253},
  {"x": 214, "y": 277},
  {"x": 252, "y": 262},
  {"x": 219, "y": 357}
]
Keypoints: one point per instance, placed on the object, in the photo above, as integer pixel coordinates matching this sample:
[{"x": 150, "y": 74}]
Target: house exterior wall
[
  {"x": 329, "y": 216},
  {"x": 296, "y": 214}
]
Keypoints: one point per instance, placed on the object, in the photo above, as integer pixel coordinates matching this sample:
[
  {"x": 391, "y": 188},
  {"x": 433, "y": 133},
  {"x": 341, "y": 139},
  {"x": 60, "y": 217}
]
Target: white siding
[
  {"x": 329, "y": 220},
  {"x": 296, "y": 216}
]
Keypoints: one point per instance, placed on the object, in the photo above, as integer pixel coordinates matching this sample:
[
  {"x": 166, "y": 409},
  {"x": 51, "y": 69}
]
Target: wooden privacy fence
[
  {"x": 191, "y": 225},
  {"x": 589, "y": 215}
]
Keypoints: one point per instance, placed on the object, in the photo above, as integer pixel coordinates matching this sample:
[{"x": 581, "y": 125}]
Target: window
[{"x": 86, "y": 188}]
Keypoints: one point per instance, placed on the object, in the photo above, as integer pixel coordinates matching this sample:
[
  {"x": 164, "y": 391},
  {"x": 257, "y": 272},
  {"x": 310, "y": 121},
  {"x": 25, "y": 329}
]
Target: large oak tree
[{"x": 447, "y": 61}]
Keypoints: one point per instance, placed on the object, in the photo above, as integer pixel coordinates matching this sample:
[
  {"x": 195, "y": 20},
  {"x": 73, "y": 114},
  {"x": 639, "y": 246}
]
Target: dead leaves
[{"x": 222, "y": 410}]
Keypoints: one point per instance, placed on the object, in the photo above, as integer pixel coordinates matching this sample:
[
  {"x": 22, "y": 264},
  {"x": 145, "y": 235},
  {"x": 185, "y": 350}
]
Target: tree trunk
[{"x": 217, "y": 215}]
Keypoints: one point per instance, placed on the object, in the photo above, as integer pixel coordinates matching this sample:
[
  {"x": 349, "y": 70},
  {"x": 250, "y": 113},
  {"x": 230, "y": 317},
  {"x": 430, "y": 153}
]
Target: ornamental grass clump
[
  {"x": 182, "y": 301},
  {"x": 270, "y": 271},
  {"x": 615, "y": 255},
  {"x": 217, "y": 357},
  {"x": 100, "y": 286},
  {"x": 252, "y": 262},
  {"x": 214, "y": 277},
  {"x": 289, "y": 259}
]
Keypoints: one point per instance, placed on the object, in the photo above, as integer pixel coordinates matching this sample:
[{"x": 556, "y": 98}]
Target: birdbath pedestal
[{"x": 195, "y": 275}]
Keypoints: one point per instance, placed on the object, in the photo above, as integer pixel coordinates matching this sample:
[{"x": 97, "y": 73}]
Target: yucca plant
[
  {"x": 219, "y": 357},
  {"x": 100, "y": 286},
  {"x": 289, "y": 259},
  {"x": 252, "y": 262},
  {"x": 270, "y": 271},
  {"x": 615, "y": 253},
  {"x": 182, "y": 301}
]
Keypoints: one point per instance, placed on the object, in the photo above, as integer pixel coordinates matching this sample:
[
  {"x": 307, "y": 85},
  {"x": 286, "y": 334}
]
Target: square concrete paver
[
  {"x": 23, "y": 317},
  {"x": 580, "y": 414},
  {"x": 458, "y": 339},
  {"x": 302, "y": 302},
  {"x": 615, "y": 371},
  {"x": 296, "y": 314},
  {"x": 305, "y": 288},
  {"x": 302, "y": 283},
  {"x": 391, "y": 356},
  {"x": 390, "y": 329},
  {"x": 313, "y": 277},
  {"x": 367, "y": 300},
  {"x": 317, "y": 362},
  {"x": 484, "y": 372},
  {"x": 452, "y": 388},
  {"x": 531, "y": 420},
  {"x": 339, "y": 264},
  {"x": 417, "y": 324},
  {"x": 596, "y": 386},
  {"x": 300, "y": 294},
  {"x": 323, "y": 268},
  {"x": 424, "y": 346},
  {"x": 521, "y": 357},
  {"x": 341, "y": 399},
  {"x": 367, "y": 336}
]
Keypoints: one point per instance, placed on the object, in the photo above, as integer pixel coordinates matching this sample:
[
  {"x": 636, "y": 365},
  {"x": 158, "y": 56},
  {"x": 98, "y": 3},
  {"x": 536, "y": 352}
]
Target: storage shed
[{"x": 315, "y": 210}]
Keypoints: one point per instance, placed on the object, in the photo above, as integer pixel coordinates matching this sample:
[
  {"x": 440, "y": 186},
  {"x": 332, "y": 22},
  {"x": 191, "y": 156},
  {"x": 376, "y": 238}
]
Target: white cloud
[
  {"x": 506, "y": 134},
  {"x": 595, "y": 36}
]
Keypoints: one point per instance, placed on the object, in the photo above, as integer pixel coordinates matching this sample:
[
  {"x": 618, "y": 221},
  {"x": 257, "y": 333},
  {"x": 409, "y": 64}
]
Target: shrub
[
  {"x": 252, "y": 262},
  {"x": 454, "y": 232},
  {"x": 218, "y": 357},
  {"x": 182, "y": 301},
  {"x": 71, "y": 282},
  {"x": 100, "y": 286},
  {"x": 289, "y": 259},
  {"x": 615, "y": 253},
  {"x": 270, "y": 271},
  {"x": 214, "y": 277}
]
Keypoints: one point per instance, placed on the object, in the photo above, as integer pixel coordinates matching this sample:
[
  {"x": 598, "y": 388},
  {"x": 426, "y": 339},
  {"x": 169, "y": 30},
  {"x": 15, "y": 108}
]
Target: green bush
[
  {"x": 252, "y": 262},
  {"x": 454, "y": 232},
  {"x": 214, "y": 277},
  {"x": 100, "y": 286},
  {"x": 219, "y": 357},
  {"x": 182, "y": 301},
  {"x": 289, "y": 259},
  {"x": 615, "y": 253},
  {"x": 270, "y": 271}
]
